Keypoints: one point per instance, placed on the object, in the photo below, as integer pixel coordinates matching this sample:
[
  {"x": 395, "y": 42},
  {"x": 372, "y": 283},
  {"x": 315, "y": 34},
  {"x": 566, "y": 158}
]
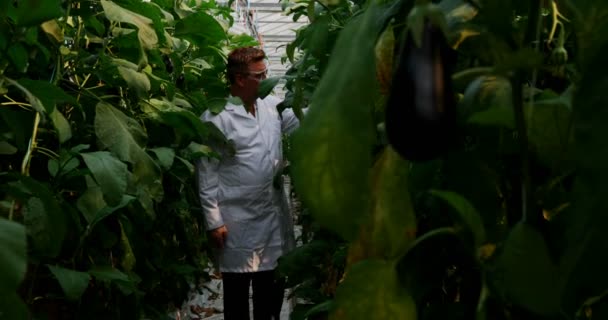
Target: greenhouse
[{"x": 303, "y": 160}]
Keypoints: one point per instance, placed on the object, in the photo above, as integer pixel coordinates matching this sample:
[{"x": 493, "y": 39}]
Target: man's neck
[{"x": 248, "y": 104}]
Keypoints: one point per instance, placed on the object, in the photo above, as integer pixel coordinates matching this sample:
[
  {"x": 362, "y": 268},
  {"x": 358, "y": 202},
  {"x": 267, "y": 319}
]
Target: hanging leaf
[
  {"x": 266, "y": 86},
  {"x": 128, "y": 259},
  {"x": 53, "y": 29},
  {"x": 165, "y": 156},
  {"x": 73, "y": 283},
  {"x": 64, "y": 131},
  {"x": 124, "y": 136},
  {"x": 13, "y": 256},
  {"x": 6, "y": 148},
  {"x": 331, "y": 153},
  {"x": 137, "y": 81},
  {"x": 200, "y": 27},
  {"x": 145, "y": 33},
  {"x": 392, "y": 224},
  {"x": 110, "y": 173},
  {"x": 467, "y": 214}
]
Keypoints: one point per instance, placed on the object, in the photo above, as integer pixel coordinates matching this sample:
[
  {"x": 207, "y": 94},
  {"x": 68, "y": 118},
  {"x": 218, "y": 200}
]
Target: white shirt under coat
[{"x": 237, "y": 191}]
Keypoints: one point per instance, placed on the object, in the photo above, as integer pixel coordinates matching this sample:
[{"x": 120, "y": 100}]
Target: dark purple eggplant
[{"x": 421, "y": 108}]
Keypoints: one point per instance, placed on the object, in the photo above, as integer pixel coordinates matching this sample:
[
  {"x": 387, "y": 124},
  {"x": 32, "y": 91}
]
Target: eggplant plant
[{"x": 494, "y": 211}]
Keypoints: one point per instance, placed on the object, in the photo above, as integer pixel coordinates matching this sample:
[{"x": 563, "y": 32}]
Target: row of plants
[
  {"x": 99, "y": 134},
  {"x": 497, "y": 211}
]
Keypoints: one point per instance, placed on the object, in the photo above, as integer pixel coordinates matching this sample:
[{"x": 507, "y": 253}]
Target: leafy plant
[
  {"x": 504, "y": 226},
  {"x": 99, "y": 135}
]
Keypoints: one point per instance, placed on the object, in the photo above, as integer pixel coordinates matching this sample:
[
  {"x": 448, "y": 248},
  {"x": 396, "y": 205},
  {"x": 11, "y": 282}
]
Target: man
[{"x": 246, "y": 213}]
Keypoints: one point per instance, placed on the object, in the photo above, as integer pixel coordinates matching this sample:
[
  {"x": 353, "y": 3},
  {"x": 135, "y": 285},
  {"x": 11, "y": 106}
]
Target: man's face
[{"x": 250, "y": 81}]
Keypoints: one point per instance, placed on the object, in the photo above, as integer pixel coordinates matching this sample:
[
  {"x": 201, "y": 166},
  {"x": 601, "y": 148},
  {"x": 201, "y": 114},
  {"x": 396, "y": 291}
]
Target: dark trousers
[{"x": 268, "y": 292}]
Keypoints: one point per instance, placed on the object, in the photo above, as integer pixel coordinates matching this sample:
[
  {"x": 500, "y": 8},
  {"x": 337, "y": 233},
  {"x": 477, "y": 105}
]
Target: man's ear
[{"x": 239, "y": 80}]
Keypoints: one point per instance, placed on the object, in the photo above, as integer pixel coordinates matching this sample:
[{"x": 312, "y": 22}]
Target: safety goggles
[{"x": 258, "y": 75}]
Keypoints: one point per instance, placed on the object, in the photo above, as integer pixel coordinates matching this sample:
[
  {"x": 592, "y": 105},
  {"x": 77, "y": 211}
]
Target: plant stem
[{"x": 520, "y": 121}]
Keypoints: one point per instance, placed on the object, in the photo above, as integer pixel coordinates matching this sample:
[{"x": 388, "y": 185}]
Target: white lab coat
[{"x": 237, "y": 191}]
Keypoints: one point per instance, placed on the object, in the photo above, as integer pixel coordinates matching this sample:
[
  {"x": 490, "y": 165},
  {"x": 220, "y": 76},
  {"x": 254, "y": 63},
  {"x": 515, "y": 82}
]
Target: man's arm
[
  {"x": 289, "y": 121},
  {"x": 208, "y": 184}
]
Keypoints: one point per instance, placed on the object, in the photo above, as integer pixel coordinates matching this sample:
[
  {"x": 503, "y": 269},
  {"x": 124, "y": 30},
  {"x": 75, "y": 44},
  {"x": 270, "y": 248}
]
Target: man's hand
[{"x": 218, "y": 236}]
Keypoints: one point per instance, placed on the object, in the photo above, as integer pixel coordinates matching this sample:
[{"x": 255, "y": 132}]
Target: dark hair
[{"x": 239, "y": 60}]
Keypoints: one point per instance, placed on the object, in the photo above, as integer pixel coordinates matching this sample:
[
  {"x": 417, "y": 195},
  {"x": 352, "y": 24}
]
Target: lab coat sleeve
[
  {"x": 289, "y": 121},
  {"x": 208, "y": 185},
  {"x": 207, "y": 176}
]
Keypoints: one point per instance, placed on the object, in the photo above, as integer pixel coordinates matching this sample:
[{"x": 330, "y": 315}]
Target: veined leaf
[
  {"x": 137, "y": 81},
  {"x": 122, "y": 136},
  {"x": 146, "y": 34},
  {"x": 73, "y": 283},
  {"x": 110, "y": 173},
  {"x": 331, "y": 153},
  {"x": 165, "y": 156},
  {"x": 13, "y": 256},
  {"x": 200, "y": 27}
]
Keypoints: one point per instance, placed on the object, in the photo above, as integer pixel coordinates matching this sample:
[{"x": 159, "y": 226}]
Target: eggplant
[{"x": 421, "y": 110}]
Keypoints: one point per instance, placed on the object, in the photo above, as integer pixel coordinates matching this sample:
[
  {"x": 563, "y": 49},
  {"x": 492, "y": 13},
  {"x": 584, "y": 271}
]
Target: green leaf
[
  {"x": 200, "y": 27},
  {"x": 145, "y": 33},
  {"x": 372, "y": 286},
  {"x": 7, "y": 148},
  {"x": 110, "y": 173},
  {"x": 137, "y": 81},
  {"x": 43, "y": 216},
  {"x": 73, "y": 283},
  {"x": 123, "y": 136},
  {"x": 91, "y": 201},
  {"x": 165, "y": 156},
  {"x": 494, "y": 117},
  {"x": 19, "y": 56},
  {"x": 48, "y": 94},
  {"x": 107, "y": 211},
  {"x": 128, "y": 259},
  {"x": 13, "y": 256},
  {"x": 114, "y": 276},
  {"x": 331, "y": 153},
  {"x": 392, "y": 225},
  {"x": 525, "y": 273},
  {"x": 12, "y": 307},
  {"x": 64, "y": 131},
  {"x": 35, "y": 12},
  {"x": 266, "y": 86},
  {"x": 467, "y": 214}
]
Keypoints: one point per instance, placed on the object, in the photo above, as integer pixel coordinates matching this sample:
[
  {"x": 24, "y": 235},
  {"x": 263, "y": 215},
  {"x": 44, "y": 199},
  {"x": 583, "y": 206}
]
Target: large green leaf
[
  {"x": 392, "y": 224},
  {"x": 110, "y": 173},
  {"x": 586, "y": 242},
  {"x": 43, "y": 216},
  {"x": 200, "y": 27},
  {"x": 145, "y": 33},
  {"x": 34, "y": 12},
  {"x": 525, "y": 274},
  {"x": 332, "y": 149},
  {"x": 73, "y": 283},
  {"x": 165, "y": 156},
  {"x": 124, "y": 137},
  {"x": 13, "y": 256},
  {"x": 371, "y": 290}
]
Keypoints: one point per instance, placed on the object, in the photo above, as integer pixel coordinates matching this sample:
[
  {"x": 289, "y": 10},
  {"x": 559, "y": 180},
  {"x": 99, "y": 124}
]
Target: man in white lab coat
[{"x": 246, "y": 213}]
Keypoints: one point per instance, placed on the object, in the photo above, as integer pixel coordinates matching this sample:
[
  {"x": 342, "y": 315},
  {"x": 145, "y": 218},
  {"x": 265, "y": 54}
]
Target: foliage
[
  {"x": 504, "y": 226},
  {"x": 99, "y": 133}
]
